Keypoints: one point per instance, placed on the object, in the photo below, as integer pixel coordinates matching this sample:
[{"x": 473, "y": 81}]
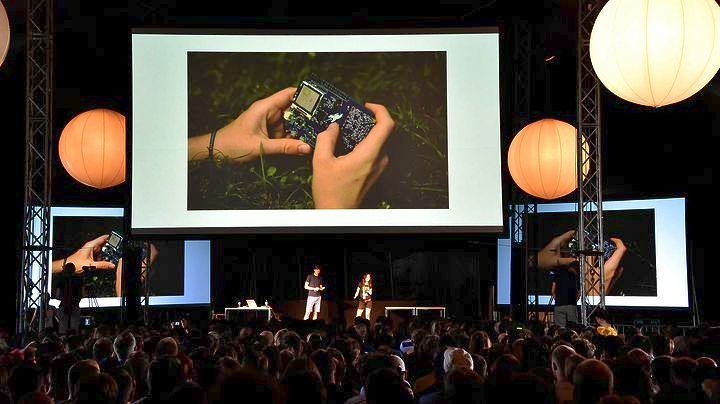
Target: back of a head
[
  {"x": 188, "y": 393},
  {"x": 166, "y": 347},
  {"x": 266, "y": 337},
  {"x": 137, "y": 366},
  {"x": 571, "y": 363},
  {"x": 457, "y": 357},
  {"x": 165, "y": 375},
  {"x": 248, "y": 386},
  {"x": 227, "y": 366},
  {"x": 123, "y": 346},
  {"x": 611, "y": 346},
  {"x": 479, "y": 340},
  {"x": 529, "y": 388},
  {"x": 661, "y": 368},
  {"x": 24, "y": 379},
  {"x": 386, "y": 386},
  {"x": 79, "y": 371},
  {"x": 302, "y": 382},
  {"x": 583, "y": 347},
  {"x": 315, "y": 341},
  {"x": 102, "y": 349},
  {"x": 638, "y": 357},
  {"x": 463, "y": 385},
  {"x": 74, "y": 342},
  {"x": 640, "y": 341},
  {"x": 374, "y": 362},
  {"x": 558, "y": 358},
  {"x": 290, "y": 340},
  {"x": 504, "y": 366},
  {"x": 616, "y": 399},
  {"x": 682, "y": 371},
  {"x": 321, "y": 359},
  {"x": 98, "y": 389},
  {"x": 59, "y": 370},
  {"x": 462, "y": 339},
  {"x": 632, "y": 379},
  {"x": 35, "y": 398},
  {"x": 480, "y": 365},
  {"x": 124, "y": 384},
  {"x": 593, "y": 380},
  {"x": 661, "y": 345}
]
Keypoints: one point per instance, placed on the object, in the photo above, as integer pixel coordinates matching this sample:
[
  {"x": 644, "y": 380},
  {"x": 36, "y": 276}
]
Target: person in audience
[
  {"x": 59, "y": 369},
  {"x": 167, "y": 348},
  {"x": 386, "y": 386},
  {"x": 123, "y": 346},
  {"x": 25, "y": 379},
  {"x": 302, "y": 383},
  {"x": 97, "y": 389},
  {"x": 571, "y": 364},
  {"x": 102, "y": 352},
  {"x": 125, "y": 384},
  {"x": 164, "y": 376},
  {"x": 251, "y": 387},
  {"x": 631, "y": 378},
  {"x": 456, "y": 358},
  {"x": 79, "y": 371},
  {"x": 563, "y": 384},
  {"x": 259, "y": 362},
  {"x": 529, "y": 388},
  {"x": 592, "y": 381}
]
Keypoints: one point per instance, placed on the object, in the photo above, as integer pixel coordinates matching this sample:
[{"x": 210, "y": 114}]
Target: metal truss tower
[
  {"x": 520, "y": 206},
  {"x": 590, "y": 213},
  {"x": 35, "y": 249}
]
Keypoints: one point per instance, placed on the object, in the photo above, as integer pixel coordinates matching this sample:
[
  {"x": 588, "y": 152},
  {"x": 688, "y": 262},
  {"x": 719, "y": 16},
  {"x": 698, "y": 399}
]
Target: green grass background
[{"x": 412, "y": 85}]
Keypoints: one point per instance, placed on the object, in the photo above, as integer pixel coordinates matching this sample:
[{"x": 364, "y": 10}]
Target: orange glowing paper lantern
[
  {"x": 542, "y": 159},
  {"x": 4, "y": 33},
  {"x": 92, "y": 148}
]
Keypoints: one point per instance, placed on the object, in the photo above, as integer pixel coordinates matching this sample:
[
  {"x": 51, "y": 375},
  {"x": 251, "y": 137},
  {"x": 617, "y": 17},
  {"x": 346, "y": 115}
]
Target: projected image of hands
[{"x": 317, "y": 130}]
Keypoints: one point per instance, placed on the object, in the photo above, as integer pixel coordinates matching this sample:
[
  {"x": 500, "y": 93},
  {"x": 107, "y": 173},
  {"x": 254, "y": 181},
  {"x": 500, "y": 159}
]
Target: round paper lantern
[
  {"x": 4, "y": 33},
  {"x": 92, "y": 148},
  {"x": 542, "y": 159},
  {"x": 656, "y": 52}
]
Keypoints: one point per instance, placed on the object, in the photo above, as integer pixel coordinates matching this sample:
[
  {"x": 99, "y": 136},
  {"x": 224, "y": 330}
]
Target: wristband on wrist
[{"x": 211, "y": 146}]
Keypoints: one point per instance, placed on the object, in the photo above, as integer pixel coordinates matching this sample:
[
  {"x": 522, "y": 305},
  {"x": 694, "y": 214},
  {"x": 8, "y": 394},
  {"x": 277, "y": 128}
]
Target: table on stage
[
  {"x": 415, "y": 309},
  {"x": 257, "y": 310}
]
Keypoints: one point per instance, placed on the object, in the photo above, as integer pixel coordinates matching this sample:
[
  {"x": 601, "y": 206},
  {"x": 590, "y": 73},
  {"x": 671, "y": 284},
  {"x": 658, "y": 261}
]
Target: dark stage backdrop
[{"x": 429, "y": 273}]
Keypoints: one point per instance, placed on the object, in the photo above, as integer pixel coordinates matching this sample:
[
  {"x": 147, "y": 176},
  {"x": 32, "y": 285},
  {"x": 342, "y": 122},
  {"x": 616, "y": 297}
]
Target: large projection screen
[
  {"x": 438, "y": 170},
  {"x": 654, "y": 267}
]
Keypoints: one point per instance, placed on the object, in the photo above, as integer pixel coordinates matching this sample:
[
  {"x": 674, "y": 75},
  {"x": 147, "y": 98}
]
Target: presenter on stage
[
  {"x": 314, "y": 285},
  {"x": 364, "y": 293}
]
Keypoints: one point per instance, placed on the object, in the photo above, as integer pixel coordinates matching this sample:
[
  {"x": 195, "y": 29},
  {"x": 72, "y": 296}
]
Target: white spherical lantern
[
  {"x": 4, "y": 33},
  {"x": 656, "y": 52}
]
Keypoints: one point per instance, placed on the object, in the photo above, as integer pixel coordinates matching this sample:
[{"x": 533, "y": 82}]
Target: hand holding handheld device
[{"x": 317, "y": 104}]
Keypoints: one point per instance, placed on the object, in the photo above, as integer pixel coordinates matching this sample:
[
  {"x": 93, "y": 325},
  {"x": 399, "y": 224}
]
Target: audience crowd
[{"x": 425, "y": 362}]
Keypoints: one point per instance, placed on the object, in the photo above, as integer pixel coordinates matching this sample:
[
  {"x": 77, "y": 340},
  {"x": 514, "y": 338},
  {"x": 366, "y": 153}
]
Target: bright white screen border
[
  {"x": 670, "y": 251},
  {"x": 196, "y": 273},
  {"x": 159, "y": 136}
]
